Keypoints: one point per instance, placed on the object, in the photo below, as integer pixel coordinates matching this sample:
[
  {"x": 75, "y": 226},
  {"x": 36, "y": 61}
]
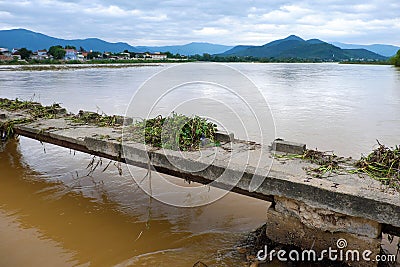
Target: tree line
[
  {"x": 58, "y": 52},
  {"x": 395, "y": 60}
]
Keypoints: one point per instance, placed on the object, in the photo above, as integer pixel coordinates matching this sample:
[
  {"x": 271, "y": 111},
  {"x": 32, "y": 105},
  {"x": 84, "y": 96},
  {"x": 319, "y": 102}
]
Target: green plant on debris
[
  {"x": 101, "y": 120},
  {"x": 176, "y": 132},
  {"x": 7, "y": 128},
  {"x": 36, "y": 110},
  {"x": 328, "y": 162},
  {"x": 383, "y": 164}
]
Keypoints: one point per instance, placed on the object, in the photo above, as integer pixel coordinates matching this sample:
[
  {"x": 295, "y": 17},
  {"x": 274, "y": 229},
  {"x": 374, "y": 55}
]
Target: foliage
[
  {"x": 177, "y": 132},
  {"x": 101, "y": 120},
  {"x": 70, "y": 47},
  {"x": 57, "y": 52},
  {"x": 328, "y": 162},
  {"x": 7, "y": 127},
  {"x": 176, "y": 56},
  {"x": 232, "y": 58},
  {"x": 383, "y": 164},
  {"x": 25, "y": 53},
  {"x": 93, "y": 55},
  {"x": 395, "y": 60},
  {"x": 34, "y": 109}
]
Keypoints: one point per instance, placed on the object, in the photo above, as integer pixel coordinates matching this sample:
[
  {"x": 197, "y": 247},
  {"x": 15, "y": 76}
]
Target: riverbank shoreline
[{"x": 55, "y": 67}]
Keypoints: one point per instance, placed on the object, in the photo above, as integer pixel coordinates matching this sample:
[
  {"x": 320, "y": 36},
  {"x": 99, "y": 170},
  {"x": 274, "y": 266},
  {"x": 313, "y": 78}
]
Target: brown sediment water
[{"x": 51, "y": 218}]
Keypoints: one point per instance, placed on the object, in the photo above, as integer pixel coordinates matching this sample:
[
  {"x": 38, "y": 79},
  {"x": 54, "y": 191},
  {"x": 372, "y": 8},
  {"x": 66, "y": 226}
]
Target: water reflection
[{"x": 102, "y": 220}]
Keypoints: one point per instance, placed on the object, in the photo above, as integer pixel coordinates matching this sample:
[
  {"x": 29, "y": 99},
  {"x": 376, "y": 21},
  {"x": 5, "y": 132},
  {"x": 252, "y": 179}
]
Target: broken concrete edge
[
  {"x": 289, "y": 230},
  {"x": 326, "y": 220},
  {"x": 349, "y": 203},
  {"x": 222, "y": 136},
  {"x": 280, "y": 145}
]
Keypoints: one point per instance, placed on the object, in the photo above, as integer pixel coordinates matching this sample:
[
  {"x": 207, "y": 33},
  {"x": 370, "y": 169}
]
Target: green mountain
[
  {"x": 19, "y": 38},
  {"x": 295, "y": 47},
  {"x": 290, "y": 47},
  {"x": 236, "y": 49},
  {"x": 188, "y": 49},
  {"x": 381, "y": 49}
]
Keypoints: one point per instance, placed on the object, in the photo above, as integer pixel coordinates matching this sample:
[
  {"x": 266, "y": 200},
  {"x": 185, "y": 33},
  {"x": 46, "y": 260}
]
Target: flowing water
[{"x": 52, "y": 214}]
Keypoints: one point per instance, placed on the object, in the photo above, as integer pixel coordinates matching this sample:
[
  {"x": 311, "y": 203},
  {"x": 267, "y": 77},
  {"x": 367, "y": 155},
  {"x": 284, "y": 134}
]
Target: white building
[{"x": 154, "y": 56}]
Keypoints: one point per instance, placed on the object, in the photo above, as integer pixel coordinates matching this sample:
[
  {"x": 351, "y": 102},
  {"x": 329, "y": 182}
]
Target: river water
[{"x": 52, "y": 214}]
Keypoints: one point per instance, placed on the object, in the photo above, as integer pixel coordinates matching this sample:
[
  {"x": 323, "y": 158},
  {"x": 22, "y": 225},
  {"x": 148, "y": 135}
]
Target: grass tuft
[
  {"x": 177, "y": 132},
  {"x": 382, "y": 164}
]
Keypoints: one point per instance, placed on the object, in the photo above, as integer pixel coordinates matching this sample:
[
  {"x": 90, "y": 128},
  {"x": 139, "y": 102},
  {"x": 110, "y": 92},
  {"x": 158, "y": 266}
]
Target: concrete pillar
[{"x": 294, "y": 223}]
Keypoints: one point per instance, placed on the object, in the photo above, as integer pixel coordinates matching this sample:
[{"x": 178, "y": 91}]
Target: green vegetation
[
  {"x": 57, "y": 52},
  {"x": 7, "y": 128},
  {"x": 231, "y": 58},
  {"x": 328, "y": 162},
  {"x": 93, "y": 55},
  {"x": 70, "y": 47},
  {"x": 177, "y": 132},
  {"x": 395, "y": 60},
  {"x": 295, "y": 47},
  {"x": 377, "y": 62},
  {"x": 25, "y": 53},
  {"x": 101, "y": 120},
  {"x": 383, "y": 164},
  {"x": 35, "y": 110}
]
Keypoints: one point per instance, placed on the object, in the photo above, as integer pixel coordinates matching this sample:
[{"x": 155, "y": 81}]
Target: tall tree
[
  {"x": 396, "y": 59},
  {"x": 70, "y": 47},
  {"x": 57, "y": 52},
  {"x": 25, "y": 53}
]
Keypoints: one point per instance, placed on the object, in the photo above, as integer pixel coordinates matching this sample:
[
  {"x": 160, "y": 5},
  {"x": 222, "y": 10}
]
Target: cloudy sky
[{"x": 150, "y": 22}]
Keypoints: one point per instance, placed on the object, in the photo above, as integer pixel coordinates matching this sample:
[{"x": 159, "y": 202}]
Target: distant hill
[
  {"x": 290, "y": 47},
  {"x": 19, "y": 38},
  {"x": 382, "y": 49},
  {"x": 188, "y": 49},
  {"x": 295, "y": 47},
  {"x": 236, "y": 49}
]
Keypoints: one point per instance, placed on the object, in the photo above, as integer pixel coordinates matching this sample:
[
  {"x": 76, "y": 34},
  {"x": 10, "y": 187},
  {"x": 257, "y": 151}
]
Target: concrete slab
[{"x": 241, "y": 162}]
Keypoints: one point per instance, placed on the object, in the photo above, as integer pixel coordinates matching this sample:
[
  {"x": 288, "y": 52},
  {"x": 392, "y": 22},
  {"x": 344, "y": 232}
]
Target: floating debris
[
  {"x": 33, "y": 109},
  {"x": 36, "y": 110},
  {"x": 101, "y": 120},
  {"x": 328, "y": 162},
  {"x": 382, "y": 164},
  {"x": 7, "y": 128},
  {"x": 177, "y": 132}
]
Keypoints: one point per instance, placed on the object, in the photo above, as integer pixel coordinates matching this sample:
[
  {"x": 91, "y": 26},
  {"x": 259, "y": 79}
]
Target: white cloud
[
  {"x": 154, "y": 22},
  {"x": 210, "y": 31}
]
